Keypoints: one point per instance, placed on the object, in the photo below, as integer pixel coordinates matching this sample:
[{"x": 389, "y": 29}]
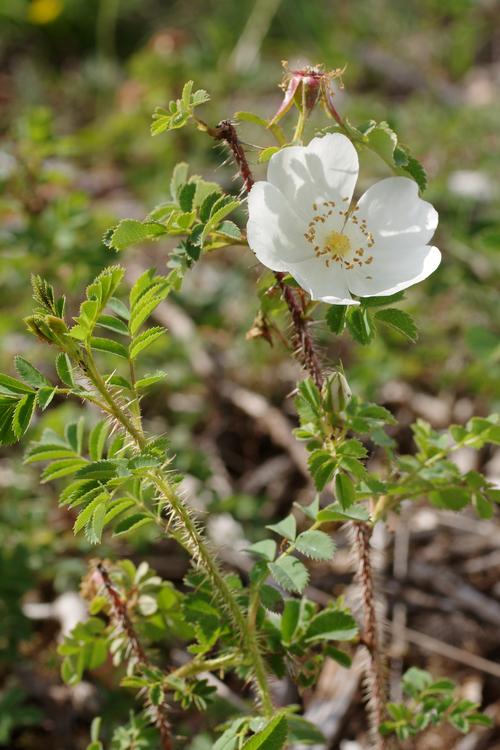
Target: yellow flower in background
[{"x": 44, "y": 11}]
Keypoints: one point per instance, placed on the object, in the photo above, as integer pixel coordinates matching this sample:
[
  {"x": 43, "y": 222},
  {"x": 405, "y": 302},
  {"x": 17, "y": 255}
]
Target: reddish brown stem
[
  {"x": 303, "y": 339},
  {"x": 225, "y": 131},
  {"x": 375, "y": 672},
  {"x": 122, "y": 618}
]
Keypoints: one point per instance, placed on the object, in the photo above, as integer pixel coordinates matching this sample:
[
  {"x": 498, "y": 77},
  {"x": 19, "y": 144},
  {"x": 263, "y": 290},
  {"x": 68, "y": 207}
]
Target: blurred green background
[{"x": 78, "y": 83}]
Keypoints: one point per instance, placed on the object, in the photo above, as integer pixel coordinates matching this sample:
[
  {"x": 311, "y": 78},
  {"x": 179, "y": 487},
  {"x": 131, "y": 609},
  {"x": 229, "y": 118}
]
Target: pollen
[{"x": 338, "y": 244}]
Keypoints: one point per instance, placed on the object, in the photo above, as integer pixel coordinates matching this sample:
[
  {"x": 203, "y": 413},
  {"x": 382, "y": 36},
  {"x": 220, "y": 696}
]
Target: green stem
[
  {"x": 93, "y": 373},
  {"x": 388, "y": 502},
  {"x": 135, "y": 407},
  {"x": 194, "y": 542},
  {"x": 199, "y": 549},
  {"x": 299, "y": 128},
  {"x": 196, "y": 666}
]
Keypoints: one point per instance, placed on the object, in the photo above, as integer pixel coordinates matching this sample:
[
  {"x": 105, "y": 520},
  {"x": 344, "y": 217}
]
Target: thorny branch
[
  {"x": 303, "y": 341},
  {"x": 375, "y": 673},
  {"x": 225, "y": 131},
  {"x": 122, "y": 619}
]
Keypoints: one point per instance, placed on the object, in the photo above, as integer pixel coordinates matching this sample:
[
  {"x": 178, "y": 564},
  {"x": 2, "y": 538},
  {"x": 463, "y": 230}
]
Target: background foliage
[{"x": 78, "y": 84}]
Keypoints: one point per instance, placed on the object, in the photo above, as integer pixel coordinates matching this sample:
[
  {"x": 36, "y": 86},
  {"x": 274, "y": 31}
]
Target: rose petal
[
  {"x": 328, "y": 284},
  {"x": 325, "y": 169},
  {"x": 396, "y": 215},
  {"x": 274, "y": 233},
  {"x": 393, "y": 270}
]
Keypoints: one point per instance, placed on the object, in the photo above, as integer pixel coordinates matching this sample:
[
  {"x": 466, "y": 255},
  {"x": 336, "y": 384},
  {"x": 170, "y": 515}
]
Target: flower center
[
  {"x": 338, "y": 244},
  {"x": 348, "y": 250}
]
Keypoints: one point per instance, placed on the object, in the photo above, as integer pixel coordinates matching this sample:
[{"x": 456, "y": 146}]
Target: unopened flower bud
[
  {"x": 336, "y": 393},
  {"x": 305, "y": 87},
  {"x": 36, "y": 324}
]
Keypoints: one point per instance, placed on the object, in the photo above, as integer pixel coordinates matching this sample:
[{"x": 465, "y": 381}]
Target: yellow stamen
[{"x": 338, "y": 244}]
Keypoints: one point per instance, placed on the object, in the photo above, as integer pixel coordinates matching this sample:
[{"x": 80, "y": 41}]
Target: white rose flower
[{"x": 302, "y": 221}]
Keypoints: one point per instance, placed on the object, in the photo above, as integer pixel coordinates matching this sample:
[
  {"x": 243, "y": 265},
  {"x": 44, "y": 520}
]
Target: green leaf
[
  {"x": 345, "y": 492},
  {"x": 80, "y": 492},
  {"x": 179, "y": 178},
  {"x": 381, "y": 139},
  {"x": 415, "y": 169},
  {"x": 359, "y": 325},
  {"x": 229, "y": 740},
  {"x": 452, "y": 498},
  {"x": 30, "y": 374},
  {"x": 116, "y": 507},
  {"x": 272, "y": 737},
  {"x": 95, "y": 728},
  {"x": 12, "y": 386},
  {"x": 86, "y": 514},
  {"x": 206, "y": 207},
  {"x": 105, "y": 284},
  {"x": 265, "y": 549},
  {"x": 97, "y": 440},
  {"x": 48, "y": 452},
  {"x": 148, "y": 380},
  {"x": 131, "y": 232},
  {"x": 289, "y": 573},
  {"x": 336, "y": 318},
  {"x": 322, "y": 466},
  {"x": 96, "y": 526},
  {"x": 186, "y": 196},
  {"x": 315, "y": 544},
  {"x": 383, "y": 301},
  {"x": 132, "y": 523},
  {"x": 304, "y": 732},
  {"x": 22, "y": 414},
  {"x": 45, "y": 396},
  {"x": 105, "y": 469},
  {"x": 142, "y": 463},
  {"x": 230, "y": 229},
  {"x": 146, "y": 301},
  {"x": 145, "y": 339},
  {"x": 287, "y": 527},
  {"x": 179, "y": 111},
  {"x": 482, "y": 505},
  {"x": 339, "y": 656},
  {"x": 415, "y": 680},
  {"x": 290, "y": 619},
  {"x": 399, "y": 320},
  {"x": 311, "y": 510},
  {"x": 271, "y": 598},
  {"x": 64, "y": 369},
  {"x": 251, "y": 117},
  {"x": 113, "y": 324},
  {"x": 221, "y": 208},
  {"x": 8, "y": 406},
  {"x": 335, "y": 512},
  {"x": 266, "y": 153},
  {"x": 331, "y": 626},
  {"x": 110, "y": 346},
  {"x": 119, "y": 381},
  {"x": 98, "y": 294},
  {"x": 62, "y": 468},
  {"x": 119, "y": 308}
]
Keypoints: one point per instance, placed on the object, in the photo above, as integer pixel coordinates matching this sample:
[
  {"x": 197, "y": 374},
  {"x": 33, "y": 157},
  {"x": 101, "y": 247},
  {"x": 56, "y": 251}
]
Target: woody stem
[{"x": 225, "y": 131}]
